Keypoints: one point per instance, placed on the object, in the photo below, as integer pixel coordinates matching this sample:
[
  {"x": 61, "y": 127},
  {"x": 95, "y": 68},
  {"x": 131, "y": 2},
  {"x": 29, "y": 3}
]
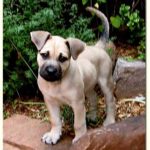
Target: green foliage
[
  {"x": 124, "y": 11},
  {"x": 20, "y": 18},
  {"x": 116, "y": 21},
  {"x": 126, "y": 17},
  {"x": 109, "y": 51},
  {"x": 60, "y": 17},
  {"x": 6, "y": 114},
  {"x": 142, "y": 36},
  {"x": 101, "y": 1},
  {"x": 129, "y": 58},
  {"x": 84, "y": 2},
  {"x": 142, "y": 56},
  {"x": 67, "y": 114},
  {"x": 131, "y": 20}
]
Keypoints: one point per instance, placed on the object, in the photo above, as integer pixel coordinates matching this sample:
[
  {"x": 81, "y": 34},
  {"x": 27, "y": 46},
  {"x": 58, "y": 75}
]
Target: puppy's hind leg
[
  {"x": 92, "y": 99},
  {"x": 107, "y": 88},
  {"x": 79, "y": 120}
]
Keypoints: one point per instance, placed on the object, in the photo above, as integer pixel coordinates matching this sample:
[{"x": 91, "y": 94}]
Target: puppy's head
[{"x": 54, "y": 54}]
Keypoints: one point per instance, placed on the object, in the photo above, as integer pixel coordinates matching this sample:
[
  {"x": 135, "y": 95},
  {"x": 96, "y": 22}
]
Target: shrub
[
  {"x": 132, "y": 22},
  {"x": 60, "y": 17},
  {"x": 127, "y": 20},
  {"x": 20, "y": 18}
]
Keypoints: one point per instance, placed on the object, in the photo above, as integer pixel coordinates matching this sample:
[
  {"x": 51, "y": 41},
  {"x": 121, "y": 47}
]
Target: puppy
[{"x": 68, "y": 72}]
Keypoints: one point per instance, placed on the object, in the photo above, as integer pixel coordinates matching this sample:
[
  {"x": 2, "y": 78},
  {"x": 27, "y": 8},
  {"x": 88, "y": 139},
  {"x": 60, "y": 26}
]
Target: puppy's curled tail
[{"x": 105, "y": 34}]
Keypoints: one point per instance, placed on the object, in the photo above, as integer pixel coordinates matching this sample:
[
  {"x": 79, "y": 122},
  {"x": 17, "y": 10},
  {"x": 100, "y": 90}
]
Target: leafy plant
[
  {"x": 67, "y": 114},
  {"x": 59, "y": 17},
  {"x": 126, "y": 17},
  {"x": 116, "y": 21},
  {"x": 131, "y": 20},
  {"x": 141, "y": 56},
  {"x": 84, "y": 2}
]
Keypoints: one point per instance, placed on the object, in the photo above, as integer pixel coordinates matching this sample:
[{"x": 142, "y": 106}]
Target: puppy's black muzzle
[{"x": 51, "y": 73}]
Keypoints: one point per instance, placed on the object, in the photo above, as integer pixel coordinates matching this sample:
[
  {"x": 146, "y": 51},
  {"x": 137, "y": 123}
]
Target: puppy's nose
[{"x": 51, "y": 70}]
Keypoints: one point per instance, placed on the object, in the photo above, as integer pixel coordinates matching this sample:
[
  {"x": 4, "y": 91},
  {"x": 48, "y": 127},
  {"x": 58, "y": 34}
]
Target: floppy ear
[
  {"x": 39, "y": 38},
  {"x": 75, "y": 46}
]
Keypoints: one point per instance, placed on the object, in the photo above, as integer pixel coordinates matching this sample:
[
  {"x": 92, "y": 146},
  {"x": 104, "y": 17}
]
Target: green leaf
[
  {"x": 14, "y": 76},
  {"x": 100, "y": 28},
  {"x": 28, "y": 74},
  {"x": 84, "y": 2},
  {"x": 101, "y": 1},
  {"x": 116, "y": 21},
  {"x": 5, "y": 63}
]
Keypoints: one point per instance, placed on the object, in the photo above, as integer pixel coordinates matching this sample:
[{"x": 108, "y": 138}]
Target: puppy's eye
[
  {"x": 45, "y": 55},
  {"x": 62, "y": 58}
]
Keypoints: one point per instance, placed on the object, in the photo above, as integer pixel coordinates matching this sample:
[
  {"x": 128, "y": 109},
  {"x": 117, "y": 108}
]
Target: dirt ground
[{"x": 36, "y": 109}]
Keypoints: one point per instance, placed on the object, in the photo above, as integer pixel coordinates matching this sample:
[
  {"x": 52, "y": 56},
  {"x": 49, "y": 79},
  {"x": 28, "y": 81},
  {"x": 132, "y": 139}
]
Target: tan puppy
[{"x": 68, "y": 72}]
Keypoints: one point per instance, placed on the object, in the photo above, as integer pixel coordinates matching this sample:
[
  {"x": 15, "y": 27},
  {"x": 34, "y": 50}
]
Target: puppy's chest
[{"x": 55, "y": 92}]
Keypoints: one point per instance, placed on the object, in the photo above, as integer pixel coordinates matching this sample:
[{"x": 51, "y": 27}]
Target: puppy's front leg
[
  {"x": 79, "y": 120},
  {"x": 54, "y": 135}
]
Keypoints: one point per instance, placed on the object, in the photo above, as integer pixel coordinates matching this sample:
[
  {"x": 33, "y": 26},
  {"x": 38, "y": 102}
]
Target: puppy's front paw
[{"x": 51, "y": 137}]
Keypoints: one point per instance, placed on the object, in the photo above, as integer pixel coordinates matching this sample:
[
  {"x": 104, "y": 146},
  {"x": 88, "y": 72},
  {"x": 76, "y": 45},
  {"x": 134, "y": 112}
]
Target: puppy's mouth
[{"x": 51, "y": 73}]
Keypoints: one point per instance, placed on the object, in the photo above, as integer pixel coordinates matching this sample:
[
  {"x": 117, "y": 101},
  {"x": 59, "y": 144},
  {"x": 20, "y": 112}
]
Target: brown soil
[
  {"x": 124, "y": 50},
  {"x": 32, "y": 109}
]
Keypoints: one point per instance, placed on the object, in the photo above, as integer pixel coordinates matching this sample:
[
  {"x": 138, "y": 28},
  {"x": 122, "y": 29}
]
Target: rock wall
[
  {"x": 126, "y": 135},
  {"x": 24, "y": 133},
  {"x": 130, "y": 78}
]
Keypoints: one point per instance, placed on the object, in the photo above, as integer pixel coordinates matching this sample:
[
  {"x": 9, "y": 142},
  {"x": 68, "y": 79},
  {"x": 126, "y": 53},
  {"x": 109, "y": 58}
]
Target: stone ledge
[
  {"x": 125, "y": 135},
  {"x": 24, "y": 133},
  {"x": 130, "y": 78}
]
